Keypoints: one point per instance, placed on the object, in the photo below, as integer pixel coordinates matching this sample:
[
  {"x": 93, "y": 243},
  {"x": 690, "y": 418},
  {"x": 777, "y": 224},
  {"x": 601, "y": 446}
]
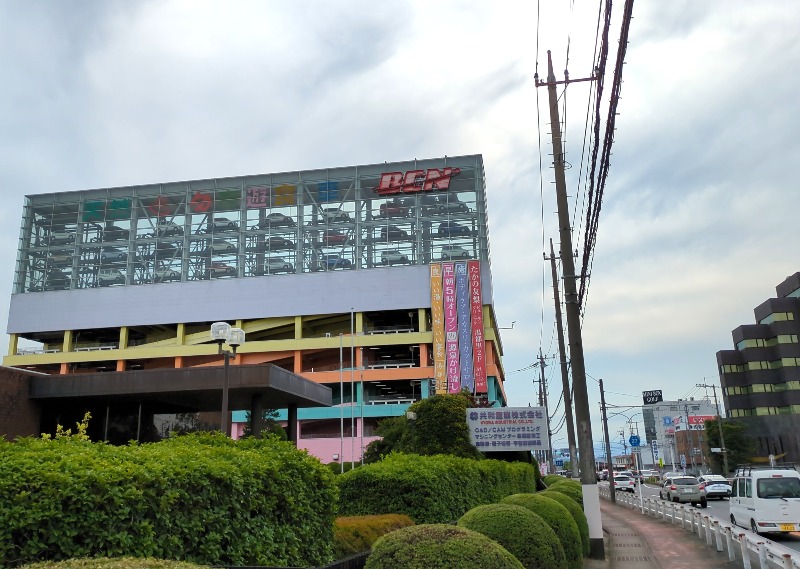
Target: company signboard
[
  {"x": 414, "y": 181},
  {"x": 508, "y": 428},
  {"x": 652, "y": 397},
  {"x": 698, "y": 422}
]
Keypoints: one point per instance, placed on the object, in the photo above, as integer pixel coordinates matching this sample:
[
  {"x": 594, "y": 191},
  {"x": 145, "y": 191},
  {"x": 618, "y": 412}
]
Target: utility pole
[
  {"x": 689, "y": 439},
  {"x": 719, "y": 424},
  {"x": 573, "y": 451},
  {"x": 608, "y": 442},
  {"x": 591, "y": 497},
  {"x": 548, "y": 454}
]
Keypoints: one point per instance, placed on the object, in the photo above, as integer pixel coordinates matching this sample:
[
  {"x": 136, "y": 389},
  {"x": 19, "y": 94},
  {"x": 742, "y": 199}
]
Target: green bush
[
  {"x": 521, "y": 531},
  {"x": 558, "y": 518},
  {"x": 113, "y": 563},
  {"x": 430, "y": 489},
  {"x": 553, "y": 478},
  {"x": 439, "y": 546},
  {"x": 573, "y": 490},
  {"x": 355, "y": 534},
  {"x": 201, "y": 498},
  {"x": 577, "y": 513}
]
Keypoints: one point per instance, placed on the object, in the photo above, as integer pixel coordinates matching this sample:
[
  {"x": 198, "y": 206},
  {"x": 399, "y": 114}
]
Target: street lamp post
[{"x": 221, "y": 333}]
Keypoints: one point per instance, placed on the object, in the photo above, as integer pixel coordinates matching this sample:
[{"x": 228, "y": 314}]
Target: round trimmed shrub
[
  {"x": 577, "y": 513},
  {"x": 569, "y": 489},
  {"x": 438, "y": 546},
  {"x": 558, "y": 518},
  {"x": 553, "y": 478},
  {"x": 522, "y": 532}
]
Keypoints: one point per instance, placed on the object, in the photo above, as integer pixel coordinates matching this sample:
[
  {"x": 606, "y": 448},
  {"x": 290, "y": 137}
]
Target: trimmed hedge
[
  {"x": 355, "y": 534},
  {"x": 577, "y": 513},
  {"x": 113, "y": 563},
  {"x": 430, "y": 489},
  {"x": 554, "y": 478},
  {"x": 202, "y": 498},
  {"x": 439, "y": 546},
  {"x": 573, "y": 490},
  {"x": 558, "y": 518},
  {"x": 521, "y": 531}
]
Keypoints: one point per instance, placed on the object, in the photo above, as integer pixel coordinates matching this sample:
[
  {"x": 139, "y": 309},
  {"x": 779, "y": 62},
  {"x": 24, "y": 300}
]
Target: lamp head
[
  {"x": 235, "y": 338},
  {"x": 220, "y": 332}
]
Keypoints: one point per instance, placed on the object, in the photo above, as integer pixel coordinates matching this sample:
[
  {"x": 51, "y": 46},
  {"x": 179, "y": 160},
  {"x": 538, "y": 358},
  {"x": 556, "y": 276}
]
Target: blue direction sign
[{"x": 634, "y": 440}]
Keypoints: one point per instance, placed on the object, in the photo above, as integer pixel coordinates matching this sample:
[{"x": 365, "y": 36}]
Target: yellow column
[
  {"x": 123, "y": 337},
  {"x": 12, "y": 344},
  {"x": 298, "y": 328},
  {"x": 181, "y": 337},
  {"x": 422, "y": 317},
  {"x": 66, "y": 346},
  {"x": 359, "y": 323}
]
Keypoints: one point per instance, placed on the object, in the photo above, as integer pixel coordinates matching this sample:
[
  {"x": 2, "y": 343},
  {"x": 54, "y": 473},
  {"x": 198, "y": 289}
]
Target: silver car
[
  {"x": 683, "y": 489},
  {"x": 715, "y": 486}
]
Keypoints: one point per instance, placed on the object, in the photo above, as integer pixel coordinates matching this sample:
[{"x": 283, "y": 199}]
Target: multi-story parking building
[
  {"x": 329, "y": 273},
  {"x": 761, "y": 377}
]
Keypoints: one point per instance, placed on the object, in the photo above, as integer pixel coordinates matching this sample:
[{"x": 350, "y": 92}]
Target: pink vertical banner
[
  {"x": 478, "y": 340},
  {"x": 437, "y": 324},
  {"x": 451, "y": 328}
]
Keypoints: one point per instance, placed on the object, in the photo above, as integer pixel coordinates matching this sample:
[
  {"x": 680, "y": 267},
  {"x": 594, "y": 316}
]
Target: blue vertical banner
[
  {"x": 464, "y": 328},
  {"x": 328, "y": 191}
]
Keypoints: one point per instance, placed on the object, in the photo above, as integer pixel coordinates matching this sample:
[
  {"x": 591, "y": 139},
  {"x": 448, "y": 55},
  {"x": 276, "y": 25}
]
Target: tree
[
  {"x": 269, "y": 421},
  {"x": 440, "y": 427},
  {"x": 738, "y": 444},
  {"x": 391, "y": 431}
]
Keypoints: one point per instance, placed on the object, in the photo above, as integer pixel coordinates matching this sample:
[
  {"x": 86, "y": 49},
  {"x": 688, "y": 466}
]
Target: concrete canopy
[{"x": 184, "y": 389}]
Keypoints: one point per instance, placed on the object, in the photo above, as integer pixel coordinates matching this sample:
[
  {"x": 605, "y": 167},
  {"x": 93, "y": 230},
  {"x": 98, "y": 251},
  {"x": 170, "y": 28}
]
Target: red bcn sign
[{"x": 415, "y": 181}]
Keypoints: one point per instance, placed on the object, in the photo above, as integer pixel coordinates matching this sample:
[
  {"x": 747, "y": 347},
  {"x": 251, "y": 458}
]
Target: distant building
[
  {"x": 663, "y": 420},
  {"x": 761, "y": 377}
]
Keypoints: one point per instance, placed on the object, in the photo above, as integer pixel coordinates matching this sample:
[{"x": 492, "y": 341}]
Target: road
[{"x": 720, "y": 509}]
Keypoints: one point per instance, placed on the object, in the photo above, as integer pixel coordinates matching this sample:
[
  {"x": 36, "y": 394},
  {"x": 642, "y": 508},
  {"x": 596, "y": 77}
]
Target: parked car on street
[
  {"x": 683, "y": 489},
  {"x": 715, "y": 486}
]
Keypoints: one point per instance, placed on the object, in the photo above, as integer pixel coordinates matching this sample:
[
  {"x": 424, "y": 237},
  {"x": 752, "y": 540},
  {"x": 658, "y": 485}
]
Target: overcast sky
[{"x": 699, "y": 218}]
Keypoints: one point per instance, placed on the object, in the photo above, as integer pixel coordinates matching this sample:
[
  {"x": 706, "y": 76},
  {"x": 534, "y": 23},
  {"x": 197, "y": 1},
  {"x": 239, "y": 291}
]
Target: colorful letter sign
[
  {"x": 437, "y": 323},
  {"x": 476, "y": 317},
  {"x": 451, "y": 328},
  {"x": 415, "y": 181},
  {"x": 464, "y": 328}
]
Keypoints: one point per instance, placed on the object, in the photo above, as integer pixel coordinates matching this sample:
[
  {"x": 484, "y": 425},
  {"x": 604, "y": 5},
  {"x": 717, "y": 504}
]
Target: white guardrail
[{"x": 738, "y": 542}]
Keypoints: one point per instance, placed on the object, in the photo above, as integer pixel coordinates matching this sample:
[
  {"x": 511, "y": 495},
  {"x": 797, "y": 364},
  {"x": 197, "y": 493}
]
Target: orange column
[
  {"x": 178, "y": 361},
  {"x": 120, "y": 365},
  {"x": 298, "y": 361},
  {"x": 423, "y": 355},
  {"x": 64, "y": 369}
]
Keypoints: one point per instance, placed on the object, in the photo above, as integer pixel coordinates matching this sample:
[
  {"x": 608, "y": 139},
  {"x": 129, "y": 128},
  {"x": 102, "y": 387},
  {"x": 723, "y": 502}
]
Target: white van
[{"x": 766, "y": 499}]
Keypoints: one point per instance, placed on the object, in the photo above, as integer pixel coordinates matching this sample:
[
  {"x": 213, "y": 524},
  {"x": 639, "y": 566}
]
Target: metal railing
[{"x": 738, "y": 542}]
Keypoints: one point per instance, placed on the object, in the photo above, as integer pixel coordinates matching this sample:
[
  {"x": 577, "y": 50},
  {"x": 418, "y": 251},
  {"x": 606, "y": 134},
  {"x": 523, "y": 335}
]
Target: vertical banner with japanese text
[
  {"x": 464, "y": 327},
  {"x": 437, "y": 325},
  {"x": 450, "y": 327},
  {"x": 476, "y": 312}
]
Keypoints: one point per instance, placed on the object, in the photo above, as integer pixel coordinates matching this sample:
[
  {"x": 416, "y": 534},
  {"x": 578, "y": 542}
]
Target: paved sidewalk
[{"x": 634, "y": 541}]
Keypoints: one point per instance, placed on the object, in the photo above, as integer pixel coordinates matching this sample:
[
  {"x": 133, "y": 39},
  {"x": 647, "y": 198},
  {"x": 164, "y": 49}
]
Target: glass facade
[{"x": 359, "y": 217}]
